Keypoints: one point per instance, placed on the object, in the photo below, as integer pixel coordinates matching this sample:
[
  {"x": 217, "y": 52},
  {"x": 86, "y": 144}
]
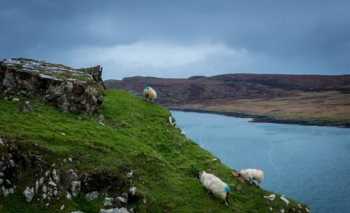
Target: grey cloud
[{"x": 277, "y": 36}]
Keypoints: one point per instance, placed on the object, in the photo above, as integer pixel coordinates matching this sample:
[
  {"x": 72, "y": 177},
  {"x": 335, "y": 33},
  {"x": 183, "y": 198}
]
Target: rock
[
  {"x": 76, "y": 212},
  {"x": 44, "y": 189},
  {"x": 122, "y": 199},
  {"x": 29, "y": 194},
  {"x": 15, "y": 99},
  {"x": 74, "y": 90},
  {"x": 282, "y": 210},
  {"x": 1, "y": 142},
  {"x": 75, "y": 188},
  {"x": 270, "y": 197},
  {"x": 108, "y": 201},
  {"x": 132, "y": 191},
  {"x": 11, "y": 190},
  {"x": 53, "y": 184},
  {"x": 37, "y": 186},
  {"x": 41, "y": 181},
  {"x": 26, "y": 107},
  {"x": 172, "y": 121},
  {"x": 115, "y": 210},
  {"x": 284, "y": 200},
  {"x": 123, "y": 210},
  {"x": 5, "y": 191},
  {"x": 55, "y": 176},
  {"x": 108, "y": 211},
  {"x": 62, "y": 207},
  {"x": 130, "y": 174},
  {"x": 92, "y": 195},
  {"x": 12, "y": 163},
  {"x": 68, "y": 196}
]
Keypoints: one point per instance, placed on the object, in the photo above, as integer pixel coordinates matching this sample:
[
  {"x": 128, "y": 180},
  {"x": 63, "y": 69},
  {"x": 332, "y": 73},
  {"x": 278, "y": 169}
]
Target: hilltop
[
  {"x": 125, "y": 153},
  {"x": 303, "y": 99}
]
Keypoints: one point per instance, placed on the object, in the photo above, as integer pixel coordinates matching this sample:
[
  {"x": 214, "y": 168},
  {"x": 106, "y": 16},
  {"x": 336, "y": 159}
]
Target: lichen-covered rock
[{"x": 74, "y": 90}]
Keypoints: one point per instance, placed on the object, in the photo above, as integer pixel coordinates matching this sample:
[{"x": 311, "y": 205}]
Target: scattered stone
[
  {"x": 55, "y": 176},
  {"x": 75, "y": 189},
  {"x": 122, "y": 199},
  {"x": 62, "y": 207},
  {"x": 1, "y": 142},
  {"x": 115, "y": 210},
  {"x": 69, "y": 196},
  {"x": 284, "y": 200},
  {"x": 132, "y": 191},
  {"x": 11, "y": 190},
  {"x": 26, "y": 106},
  {"x": 172, "y": 121},
  {"x": 270, "y": 197},
  {"x": 44, "y": 189},
  {"x": 307, "y": 210},
  {"x": 70, "y": 159},
  {"x": 15, "y": 99},
  {"x": 5, "y": 191},
  {"x": 282, "y": 210},
  {"x": 77, "y": 212},
  {"x": 92, "y": 195},
  {"x": 12, "y": 163},
  {"x": 51, "y": 183},
  {"x": 108, "y": 201},
  {"x": 130, "y": 174}
]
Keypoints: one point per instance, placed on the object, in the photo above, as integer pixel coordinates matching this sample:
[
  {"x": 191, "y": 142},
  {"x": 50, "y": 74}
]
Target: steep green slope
[{"x": 134, "y": 136}]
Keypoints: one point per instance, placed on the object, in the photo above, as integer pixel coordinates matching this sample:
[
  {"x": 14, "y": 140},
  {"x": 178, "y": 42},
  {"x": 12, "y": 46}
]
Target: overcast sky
[{"x": 180, "y": 38}]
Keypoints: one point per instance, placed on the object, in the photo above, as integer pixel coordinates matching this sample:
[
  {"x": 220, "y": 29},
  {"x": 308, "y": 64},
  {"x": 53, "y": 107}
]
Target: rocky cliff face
[{"x": 74, "y": 90}]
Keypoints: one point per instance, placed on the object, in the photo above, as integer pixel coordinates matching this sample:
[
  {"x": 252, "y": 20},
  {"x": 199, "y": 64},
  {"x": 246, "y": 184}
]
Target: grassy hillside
[{"x": 134, "y": 136}]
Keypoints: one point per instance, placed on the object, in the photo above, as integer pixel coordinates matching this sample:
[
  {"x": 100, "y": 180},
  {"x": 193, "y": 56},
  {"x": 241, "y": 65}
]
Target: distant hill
[{"x": 308, "y": 99}]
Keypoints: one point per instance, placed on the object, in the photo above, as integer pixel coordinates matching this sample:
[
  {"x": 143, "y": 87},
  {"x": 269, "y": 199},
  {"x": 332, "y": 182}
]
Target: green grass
[{"x": 137, "y": 136}]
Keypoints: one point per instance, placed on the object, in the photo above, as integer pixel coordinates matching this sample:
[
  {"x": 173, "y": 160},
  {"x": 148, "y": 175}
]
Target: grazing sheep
[
  {"x": 150, "y": 94},
  {"x": 253, "y": 176},
  {"x": 214, "y": 185}
]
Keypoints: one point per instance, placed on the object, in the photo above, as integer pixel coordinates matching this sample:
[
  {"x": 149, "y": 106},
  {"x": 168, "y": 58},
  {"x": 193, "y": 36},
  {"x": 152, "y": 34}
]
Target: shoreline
[{"x": 266, "y": 119}]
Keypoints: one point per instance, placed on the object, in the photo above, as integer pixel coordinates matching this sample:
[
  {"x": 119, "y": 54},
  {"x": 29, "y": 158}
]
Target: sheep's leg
[{"x": 226, "y": 201}]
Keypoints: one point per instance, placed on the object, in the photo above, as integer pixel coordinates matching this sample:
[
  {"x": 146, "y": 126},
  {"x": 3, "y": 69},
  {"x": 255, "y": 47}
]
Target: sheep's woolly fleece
[{"x": 215, "y": 185}]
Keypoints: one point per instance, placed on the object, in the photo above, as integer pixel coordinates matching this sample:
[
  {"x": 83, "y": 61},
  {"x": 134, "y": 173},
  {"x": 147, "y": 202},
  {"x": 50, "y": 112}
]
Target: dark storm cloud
[{"x": 181, "y": 38}]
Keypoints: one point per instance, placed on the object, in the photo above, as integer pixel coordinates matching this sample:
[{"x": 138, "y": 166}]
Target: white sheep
[
  {"x": 214, "y": 185},
  {"x": 150, "y": 94},
  {"x": 254, "y": 176}
]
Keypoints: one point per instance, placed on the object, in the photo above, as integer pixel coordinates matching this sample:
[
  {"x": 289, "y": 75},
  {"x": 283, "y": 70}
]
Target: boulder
[{"x": 74, "y": 90}]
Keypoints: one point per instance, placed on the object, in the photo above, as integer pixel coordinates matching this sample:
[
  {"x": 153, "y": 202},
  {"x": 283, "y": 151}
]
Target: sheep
[
  {"x": 253, "y": 176},
  {"x": 214, "y": 185},
  {"x": 150, "y": 94}
]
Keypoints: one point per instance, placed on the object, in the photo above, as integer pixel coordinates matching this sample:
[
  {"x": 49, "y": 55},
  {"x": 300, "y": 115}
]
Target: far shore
[{"x": 266, "y": 119}]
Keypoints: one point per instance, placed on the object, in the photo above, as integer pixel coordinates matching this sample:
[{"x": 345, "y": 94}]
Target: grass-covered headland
[{"x": 130, "y": 137}]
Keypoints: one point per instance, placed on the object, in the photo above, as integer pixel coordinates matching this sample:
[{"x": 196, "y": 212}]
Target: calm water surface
[{"x": 308, "y": 163}]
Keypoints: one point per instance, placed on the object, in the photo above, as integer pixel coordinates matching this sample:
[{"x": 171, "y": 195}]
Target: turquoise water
[{"x": 308, "y": 163}]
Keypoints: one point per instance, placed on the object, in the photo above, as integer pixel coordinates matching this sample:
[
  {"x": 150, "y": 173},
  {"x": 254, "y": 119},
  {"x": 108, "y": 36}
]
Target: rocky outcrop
[
  {"x": 74, "y": 90},
  {"x": 27, "y": 170}
]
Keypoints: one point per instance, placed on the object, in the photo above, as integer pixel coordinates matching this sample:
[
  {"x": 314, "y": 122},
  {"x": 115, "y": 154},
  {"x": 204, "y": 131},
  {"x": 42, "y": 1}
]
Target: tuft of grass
[{"x": 136, "y": 135}]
